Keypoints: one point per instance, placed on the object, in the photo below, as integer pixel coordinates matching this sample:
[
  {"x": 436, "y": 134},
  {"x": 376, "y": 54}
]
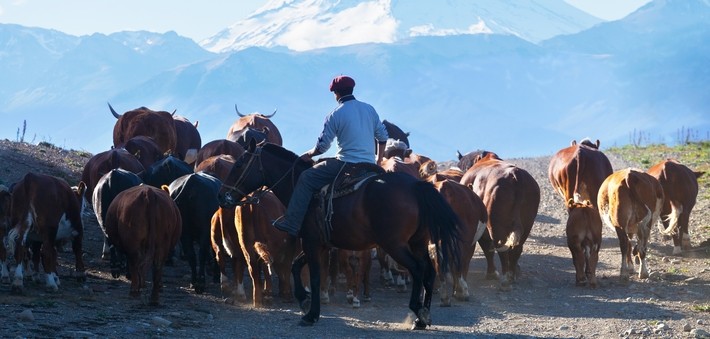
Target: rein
[{"x": 255, "y": 198}]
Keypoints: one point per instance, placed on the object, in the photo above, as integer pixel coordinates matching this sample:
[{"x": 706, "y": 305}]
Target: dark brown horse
[{"x": 396, "y": 211}]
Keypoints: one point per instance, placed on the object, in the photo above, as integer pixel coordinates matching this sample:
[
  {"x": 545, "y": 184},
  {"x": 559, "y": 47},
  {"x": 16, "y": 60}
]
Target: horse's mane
[{"x": 279, "y": 151}]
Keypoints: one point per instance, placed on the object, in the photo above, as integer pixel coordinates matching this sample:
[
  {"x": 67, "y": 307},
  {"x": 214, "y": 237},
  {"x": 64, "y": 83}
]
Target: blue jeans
[{"x": 309, "y": 182}]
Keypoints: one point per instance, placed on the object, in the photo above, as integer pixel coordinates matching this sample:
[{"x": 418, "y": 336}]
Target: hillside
[{"x": 544, "y": 301}]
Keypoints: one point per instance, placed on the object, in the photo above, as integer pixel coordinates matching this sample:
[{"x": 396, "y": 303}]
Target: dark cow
[
  {"x": 576, "y": 172},
  {"x": 109, "y": 186},
  {"x": 473, "y": 216},
  {"x": 396, "y": 133},
  {"x": 630, "y": 202},
  {"x": 217, "y": 147},
  {"x": 511, "y": 196},
  {"x": 584, "y": 239},
  {"x": 165, "y": 171},
  {"x": 188, "y": 139},
  {"x": 256, "y": 121},
  {"x": 144, "y": 149},
  {"x": 196, "y": 197},
  {"x": 101, "y": 164},
  {"x": 248, "y": 134},
  {"x": 680, "y": 188},
  {"x": 44, "y": 209},
  {"x": 5, "y": 215},
  {"x": 467, "y": 160},
  {"x": 266, "y": 249},
  {"x": 143, "y": 224},
  {"x": 158, "y": 125}
]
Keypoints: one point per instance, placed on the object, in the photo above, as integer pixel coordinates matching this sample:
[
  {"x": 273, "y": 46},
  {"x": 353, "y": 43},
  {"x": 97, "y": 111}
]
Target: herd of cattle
[{"x": 158, "y": 190}]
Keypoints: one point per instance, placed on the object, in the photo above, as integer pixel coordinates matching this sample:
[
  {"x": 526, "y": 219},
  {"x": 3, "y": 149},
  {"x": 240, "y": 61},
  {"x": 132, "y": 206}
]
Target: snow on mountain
[{"x": 311, "y": 24}]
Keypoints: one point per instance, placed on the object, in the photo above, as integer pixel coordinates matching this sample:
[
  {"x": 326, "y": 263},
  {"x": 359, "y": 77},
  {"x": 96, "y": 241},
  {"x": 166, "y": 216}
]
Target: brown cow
[
  {"x": 5, "y": 215},
  {"x": 217, "y": 166},
  {"x": 576, "y": 172},
  {"x": 158, "y": 125},
  {"x": 143, "y": 224},
  {"x": 144, "y": 149},
  {"x": 584, "y": 239},
  {"x": 356, "y": 266},
  {"x": 217, "y": 147},
  {"x": 680, "y": 188},
  {"x": 101, "y": 164},
  {"x": 473, "y": 216},
  {"x": 188, "y": 139},
  {"x": 256, "y": 121},
  {"x": 265, "y": 247},
  {"x": 630, "y": 202},
  {"x": 511, "y": 196},
  {"x": 44, "y": 209}
]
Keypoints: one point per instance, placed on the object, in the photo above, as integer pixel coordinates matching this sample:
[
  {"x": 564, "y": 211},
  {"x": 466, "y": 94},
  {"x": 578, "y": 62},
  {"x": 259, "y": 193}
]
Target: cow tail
[
  {"x": 263, "y": 251},
  {"x": 575, "y": 194},
  {"x": 436, "y": 215},
  {"x": 153, "y": 221}
]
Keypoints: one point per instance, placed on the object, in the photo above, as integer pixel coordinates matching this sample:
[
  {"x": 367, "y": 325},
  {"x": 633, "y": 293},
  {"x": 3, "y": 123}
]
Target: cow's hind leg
[
  {"x": 626, "y": 263},
  {"x": 578, "y": 259},
  {"x": 77, "y": 249}
]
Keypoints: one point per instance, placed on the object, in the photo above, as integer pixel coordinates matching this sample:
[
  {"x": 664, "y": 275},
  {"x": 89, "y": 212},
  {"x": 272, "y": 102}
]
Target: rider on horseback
[{"x": 356, "y": 125}]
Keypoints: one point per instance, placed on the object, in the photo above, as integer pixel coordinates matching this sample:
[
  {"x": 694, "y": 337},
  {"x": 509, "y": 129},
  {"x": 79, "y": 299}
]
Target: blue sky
[{"x": 194, "y": 19}]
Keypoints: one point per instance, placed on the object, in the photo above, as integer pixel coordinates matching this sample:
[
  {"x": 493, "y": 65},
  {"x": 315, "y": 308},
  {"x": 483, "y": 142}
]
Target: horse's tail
[{"x": 436, "y": 214}]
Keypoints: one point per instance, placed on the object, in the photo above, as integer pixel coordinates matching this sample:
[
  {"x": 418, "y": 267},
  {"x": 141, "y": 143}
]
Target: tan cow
[
  {"x": 630, "y": 202},
  {"x": 473, "y": 216},
  {"x": 576, "y": 172},
  {"x": 511, "y": 196},
  {"x": 584, "y": 239},
  {"x": 680, "y": 188}
]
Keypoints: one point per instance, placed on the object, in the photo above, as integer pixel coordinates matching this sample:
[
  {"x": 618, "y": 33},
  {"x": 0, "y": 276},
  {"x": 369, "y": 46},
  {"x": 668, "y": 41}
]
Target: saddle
[{"x": 351, "y": 178}]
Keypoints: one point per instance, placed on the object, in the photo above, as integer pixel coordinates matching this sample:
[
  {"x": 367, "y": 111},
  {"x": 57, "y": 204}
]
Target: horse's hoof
[
  {"x": 305, "y": 322},
  {"x": 418, "y": 325}
]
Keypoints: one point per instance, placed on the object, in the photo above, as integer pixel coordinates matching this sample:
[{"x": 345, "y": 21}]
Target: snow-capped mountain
[
  {"x": 647, "y": 72},
  {"x": 311, "y": 24}
]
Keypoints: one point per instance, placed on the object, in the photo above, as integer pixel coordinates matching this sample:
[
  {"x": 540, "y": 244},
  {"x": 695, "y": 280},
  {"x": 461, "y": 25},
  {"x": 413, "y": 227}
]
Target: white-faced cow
[
  {"x": 630, "y": 202},
  {"x": 511, "y": 196},
  {"x": 680, "y": 189},
  {"x": 255, "y": 121},
  {"x": 158, "y": 125},
  {"x": 44, "y": 209},
  {"x": 143, "y": 224},
  {"x": 576, "y": 172}
]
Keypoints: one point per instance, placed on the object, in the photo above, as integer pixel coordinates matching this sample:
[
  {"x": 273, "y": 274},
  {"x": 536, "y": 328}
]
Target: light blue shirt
[{"x": 356, "y": 125}]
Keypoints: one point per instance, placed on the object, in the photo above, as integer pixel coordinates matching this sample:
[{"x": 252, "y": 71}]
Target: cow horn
[
  {"x": 459, "y": 155},
  {"x": 238, "y": 113},
  {"x": 113, "y": 111},
  {"x": 197, "y": 123},
  {"x": 173, "y": 113},
  {"x": 272, "y": 114}
]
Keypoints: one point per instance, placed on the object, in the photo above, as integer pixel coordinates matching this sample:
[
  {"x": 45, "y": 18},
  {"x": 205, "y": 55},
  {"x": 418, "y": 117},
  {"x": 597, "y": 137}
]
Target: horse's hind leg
[
  {"x": 298, "y": 290},
  {"x": 403, "y": 256}
]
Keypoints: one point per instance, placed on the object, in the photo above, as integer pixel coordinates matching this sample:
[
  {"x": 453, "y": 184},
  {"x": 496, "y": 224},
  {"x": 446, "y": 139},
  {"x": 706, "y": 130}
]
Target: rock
[
  {"x": 700, "y": 322},
  {"x": 665, "y": 259},
  {"x": 691, "y": 280},
  {"x": 675, "y": 261},
  {"x": 698, "y": 333},
  {"x": 687, "y": 327},
  {"x": 563, "y": 328},
  {"x": 26, "y": 315},
  {"x": 655, "y": 275},
  {"x": 662, "y": 326}
]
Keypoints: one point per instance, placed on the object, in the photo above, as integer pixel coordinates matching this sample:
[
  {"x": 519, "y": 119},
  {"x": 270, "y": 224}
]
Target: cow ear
[
  {"x": 137, "y": 154},
  {"x": 698, "y": 174},
  {"x": 570, "y": 203},
  {"x": 265, "y": 130},
  {"x": 165, "y": 188},
  {"x": 598, "y": 143},
  {"x": 574, "y": 142},
  {"x": 81, "y": 188}
]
